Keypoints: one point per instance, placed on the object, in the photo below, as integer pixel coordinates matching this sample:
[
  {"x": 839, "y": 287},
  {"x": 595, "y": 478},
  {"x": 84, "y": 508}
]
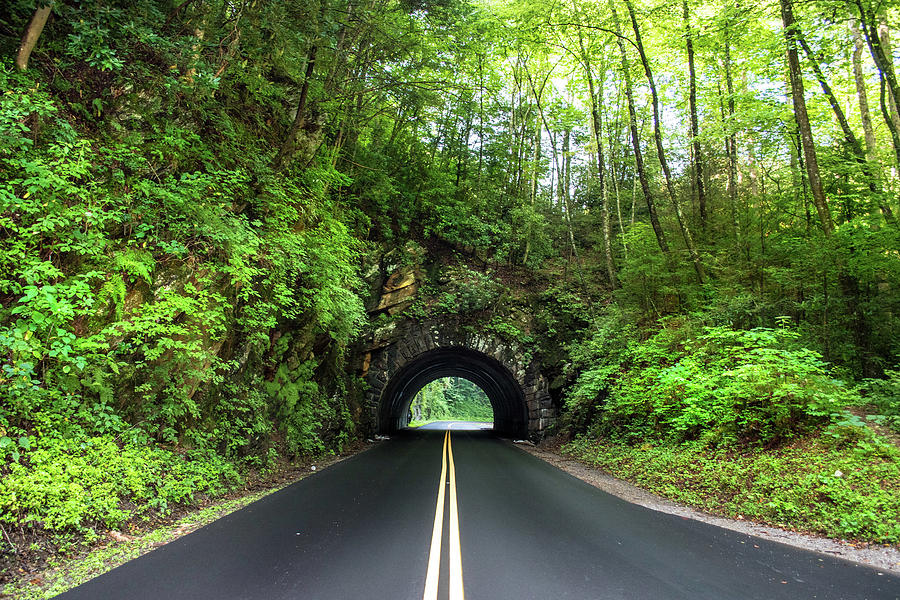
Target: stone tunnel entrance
[
  {"x": 409, "y": 354},
  {"x": 501, "y": 388}
]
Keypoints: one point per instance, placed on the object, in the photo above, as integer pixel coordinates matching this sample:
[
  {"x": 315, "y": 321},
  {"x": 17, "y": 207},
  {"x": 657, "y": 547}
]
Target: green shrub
[
  {"x": 884, "y": 396},
  {"x": 842, "y": 490},
  {"x": 721, "y": 386},
  {"x": 96, "y": 481}
]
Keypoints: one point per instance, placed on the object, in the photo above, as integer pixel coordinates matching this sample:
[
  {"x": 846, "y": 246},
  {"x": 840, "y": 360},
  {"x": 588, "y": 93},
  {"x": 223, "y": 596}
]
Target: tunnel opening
[
  {"x": 510, "y": 413},
  {"x": 450, "y": 399}
]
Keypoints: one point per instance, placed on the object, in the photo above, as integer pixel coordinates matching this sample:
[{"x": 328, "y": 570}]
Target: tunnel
[{"x": 501, "y": 388}]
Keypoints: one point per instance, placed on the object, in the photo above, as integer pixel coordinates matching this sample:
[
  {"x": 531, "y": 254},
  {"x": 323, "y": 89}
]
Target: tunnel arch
[
  {"x": 500, "y": 386},
  {"x": 404, "y": 355}
]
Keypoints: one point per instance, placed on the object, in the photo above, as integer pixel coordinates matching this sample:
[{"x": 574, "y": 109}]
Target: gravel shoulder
[{"x": 878, "y": 557}]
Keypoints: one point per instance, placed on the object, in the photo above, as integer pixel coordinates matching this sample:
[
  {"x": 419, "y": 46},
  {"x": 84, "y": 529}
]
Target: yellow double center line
[{"x": 434, "y": 556}]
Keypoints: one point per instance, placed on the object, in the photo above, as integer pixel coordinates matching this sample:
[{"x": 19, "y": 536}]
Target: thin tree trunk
[
  {"x": 884, "y": 32},
  {"x": 612, "y": 131},
  {"x": 731, "y": 137},
  {"x": 462, "y": 154},
  {"x": 564, "y": 194},
  {"x": 634, "y": 189},
  {"x": 300, "y": 118},
  {"x": 864, "y": 114},
  {"x": 512, "y": 163},
  {"x": 635, "y": 137},
  {"x": 537, "y": 160},
  {"x": 802, "y": 118},
  {"x": 567, "y": 162},
  {"x": 601, "y": 166},
  {"x": 695, "y": 121},
  {"x": 31, "y": 35},
  {"x": 660, "y": 151},
  {"x": 885, "y": 69},
  {"x": 849, "y": 136},
  {"x": 886, "y": 113},
  {"x": 480, "y": 118}
]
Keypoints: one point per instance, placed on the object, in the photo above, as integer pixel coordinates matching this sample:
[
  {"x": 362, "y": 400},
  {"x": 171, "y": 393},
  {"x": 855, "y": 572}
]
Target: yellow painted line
[
  {"x": 434, "y": 555},
  {"x": 456, "y": 576}
]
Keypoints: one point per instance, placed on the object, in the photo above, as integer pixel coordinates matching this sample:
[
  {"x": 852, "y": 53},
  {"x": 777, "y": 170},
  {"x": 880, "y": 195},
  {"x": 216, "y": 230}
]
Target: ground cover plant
[{"x": 819, "y": 484}]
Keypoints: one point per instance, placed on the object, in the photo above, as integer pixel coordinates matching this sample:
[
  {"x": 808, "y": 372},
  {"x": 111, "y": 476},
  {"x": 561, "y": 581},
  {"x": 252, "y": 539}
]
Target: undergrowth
[{"x": 820, "y": 484}]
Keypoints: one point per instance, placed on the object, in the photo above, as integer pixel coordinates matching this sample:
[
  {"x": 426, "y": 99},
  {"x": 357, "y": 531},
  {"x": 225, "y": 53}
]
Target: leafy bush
[
  {"x": 721, "y": 386},
  {"x": 884, "y": 395},
  {"x": 66, "y": 484},
  {"x": 597, "y": 362},
  {"x": 467, "y": 291}
]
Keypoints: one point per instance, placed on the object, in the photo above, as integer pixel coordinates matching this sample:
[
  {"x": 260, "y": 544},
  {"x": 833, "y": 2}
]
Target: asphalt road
[{"x": 364, "y": 528}]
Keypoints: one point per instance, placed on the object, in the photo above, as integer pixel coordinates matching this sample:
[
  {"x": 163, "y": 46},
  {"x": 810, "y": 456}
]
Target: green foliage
[
  {"x": 312, "y": 422},
  {"x": 95, "y": 481},
  {"x": 146, "y": 267},
  {"x": 814, "y": 485},
  {"x": 597, "y": 362},
  {"x": 451, "y": 399},
  {"x": 719, "y": 386},
  {"x": 463, "y": 291},
  {"x": 884, "y": 396}
]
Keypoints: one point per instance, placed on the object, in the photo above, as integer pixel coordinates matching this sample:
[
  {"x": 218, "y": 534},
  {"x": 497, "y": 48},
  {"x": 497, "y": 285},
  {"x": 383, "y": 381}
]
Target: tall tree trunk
[
  {"x": 660, "y": 151},
  {"x": 601, "y": 166},
  {"x": 564, "y": 194},
  {"x": 730, "y": 136},
  {"x": 859, "y": 79},
  {"x": 802, "y": 118},
  {"x": 849, "y": 137},
  {"x": 613, "y": 131},
  {"x": 462, "y": 153},
  {"x": 884, "y": 100},
  {"x": 695, "y": 121},
  {"x": 537, "y": 159},
  {"x": 565, "y": 180},
  {"x": 884, "y": 33},
  {"x": 635, "y": 136},
  {"x": 480, "y": 118},
  {"x": 31, "y": 35},
  {"x": 885, "y": 69}
]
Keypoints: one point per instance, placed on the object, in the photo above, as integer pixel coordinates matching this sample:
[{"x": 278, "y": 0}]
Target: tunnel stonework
[{"x": 408, "y": 354}]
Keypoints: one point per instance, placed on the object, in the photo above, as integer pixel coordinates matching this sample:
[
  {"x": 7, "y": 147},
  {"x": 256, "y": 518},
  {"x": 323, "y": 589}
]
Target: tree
[
  {"x": 597, "y": 130},
  {"x": 696, "y": 150},
  {"x": 635, "y": 135},
  {"x": 32, "y": 34},
  {"x": 660, "y": 151},
  {"x": 802, "y": 117}
]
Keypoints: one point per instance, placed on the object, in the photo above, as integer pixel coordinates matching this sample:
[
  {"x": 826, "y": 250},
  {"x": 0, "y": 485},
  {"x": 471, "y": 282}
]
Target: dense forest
[
  {"x": 450, "y": 398},
  {"x": 700, "y": 199}
]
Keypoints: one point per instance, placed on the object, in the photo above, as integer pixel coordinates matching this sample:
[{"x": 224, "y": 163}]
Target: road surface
[{"x": 431, "y": 514}]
